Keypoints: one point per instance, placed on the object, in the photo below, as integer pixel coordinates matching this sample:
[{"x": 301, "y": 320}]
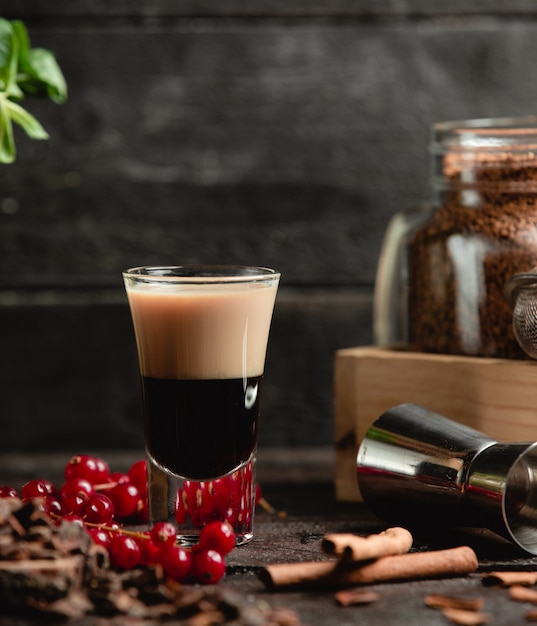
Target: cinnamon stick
[
  {"x": 523, "y": 594},
  {"x": 509, "y": 578},
  {"x": 356, "y": 548},
  {"x": 301, "y": 573},
  {"x": 354, "y": 597},
  {"x": 463, "y": 617},
  {"x": 416, "y": 565},
  {"x": 437, "y": 601}
]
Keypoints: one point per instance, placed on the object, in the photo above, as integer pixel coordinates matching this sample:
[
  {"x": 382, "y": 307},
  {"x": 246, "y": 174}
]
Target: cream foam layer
[{"x": 202, "y": 331}]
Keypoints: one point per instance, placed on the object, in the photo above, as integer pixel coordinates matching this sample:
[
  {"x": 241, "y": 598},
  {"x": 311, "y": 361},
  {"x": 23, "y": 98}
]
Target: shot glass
[{"x": 201, "y": 333}]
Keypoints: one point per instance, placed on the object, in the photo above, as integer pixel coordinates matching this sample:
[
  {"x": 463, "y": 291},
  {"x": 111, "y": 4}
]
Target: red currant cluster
[
  {"x": 203, "y": 563},
  {"x": 102, "y": 501},
  {"x": 231, "y": 498},
  {"x": 91, "y": 493}
]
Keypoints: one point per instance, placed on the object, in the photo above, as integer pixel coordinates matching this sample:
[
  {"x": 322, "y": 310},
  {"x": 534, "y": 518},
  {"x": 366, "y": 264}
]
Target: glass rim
[
  {"x": 200, "y": 273},
  {"x": 494, "y": 134}
]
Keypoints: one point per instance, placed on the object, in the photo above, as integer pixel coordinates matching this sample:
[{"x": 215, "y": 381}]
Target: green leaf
[
  {"x": 9, "y": 60},
  {"x": 25, "y": 119},
  {"x": 7, "y": 143},
  {"x": 21, "y": 34},
  {"x": 38, "y": 72},
  {"x": 6, "y": 34},
  {"x": 24, "y": 71},
  {"x": 6, "y": 45},
  {"x": 42, "y": 67}
]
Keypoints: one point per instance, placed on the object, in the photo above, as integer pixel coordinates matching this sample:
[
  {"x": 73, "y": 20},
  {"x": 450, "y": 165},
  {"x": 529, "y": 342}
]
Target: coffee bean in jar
[{"x": 481, "y": 231}]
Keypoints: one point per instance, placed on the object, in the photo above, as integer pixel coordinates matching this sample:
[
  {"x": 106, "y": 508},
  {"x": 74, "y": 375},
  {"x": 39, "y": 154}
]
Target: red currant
[
  {"x": 76, "y": 485},
  {"x": 176, "y": 562},
  {"x": 8, "y": 492},
  {"x": 100, "y": 537},
  {"x": 98, "y": 509},
  {"x": 124, "y": 552},
  {"x": 125, "y": 498},
  {"x": 196, "y": 502},
  {"x": 51, "y": 505},
  {"x": 218, "y": 499},
  {"x": 217, "y": 536},
  {"x": 163, "y": 533},
  {"x": 231, "y": 515},
  {"x": 149, "y": 551},
  {"x": 73, "y": 503},
  {"x": 236, "y": 484},
  {"x": 181, "y": 510},
  {"x": 37, "y": 488},
  {"x": 142, "y": 510},
  {"x": 91, "y": 468},
  {"x": 208, "y": 566},
  {"x": 71, "y": 518},
  {"x": 138, "y": 475},
  {"x": 119, "y": 478}
]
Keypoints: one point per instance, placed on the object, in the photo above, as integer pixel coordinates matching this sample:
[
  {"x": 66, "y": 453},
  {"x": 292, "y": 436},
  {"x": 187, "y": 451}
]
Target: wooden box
[{"x": 495, "y": 396}]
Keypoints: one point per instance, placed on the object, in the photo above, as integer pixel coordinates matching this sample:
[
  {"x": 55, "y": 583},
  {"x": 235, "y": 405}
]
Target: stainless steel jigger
[{"x": 417, "y": 467}]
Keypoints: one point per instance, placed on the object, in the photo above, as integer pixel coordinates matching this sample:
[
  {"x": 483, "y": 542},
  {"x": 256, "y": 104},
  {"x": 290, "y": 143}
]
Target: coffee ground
[{"x": 459, "y": 260}]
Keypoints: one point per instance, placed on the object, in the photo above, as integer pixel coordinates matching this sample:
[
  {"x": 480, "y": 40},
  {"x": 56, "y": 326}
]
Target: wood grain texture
[
  {"x": 289, "y": 145},
  {"x": 268, "y": 8}
]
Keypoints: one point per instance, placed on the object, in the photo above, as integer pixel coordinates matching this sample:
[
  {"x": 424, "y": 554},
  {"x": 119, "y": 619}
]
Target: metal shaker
[{"x": 415, "y": 466}]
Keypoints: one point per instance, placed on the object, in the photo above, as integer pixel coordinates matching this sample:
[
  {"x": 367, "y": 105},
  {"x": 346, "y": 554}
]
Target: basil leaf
[
  {"x": 45, "y": 75},
  {"x": 7, "y": 143},
  {"x": 24, "y": 71},
  {"x": 25, "y": 119},
  {"x": 6, "y": 45},
  {"x": 38, "y": 71},
  {"x": 21, "y": 34},
  {"x": 9, "y": 60}
]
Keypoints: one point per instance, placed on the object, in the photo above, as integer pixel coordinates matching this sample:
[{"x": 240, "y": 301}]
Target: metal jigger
[{"x": 418, "y": 467}]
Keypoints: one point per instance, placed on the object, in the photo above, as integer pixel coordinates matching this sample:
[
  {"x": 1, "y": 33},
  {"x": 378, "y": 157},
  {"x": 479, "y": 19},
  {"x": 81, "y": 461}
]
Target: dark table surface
[{"x": 300, "y": 483}]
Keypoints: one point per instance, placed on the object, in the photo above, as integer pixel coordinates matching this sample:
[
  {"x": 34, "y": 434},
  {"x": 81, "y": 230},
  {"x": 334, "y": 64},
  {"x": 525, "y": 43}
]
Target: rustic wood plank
[
  {"x": 295, "y": 157},
  {"x": 268, "y": 8}
]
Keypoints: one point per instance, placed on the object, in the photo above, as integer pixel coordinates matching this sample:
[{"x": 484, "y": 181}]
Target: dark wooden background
[{"x": 283, "y": 133}]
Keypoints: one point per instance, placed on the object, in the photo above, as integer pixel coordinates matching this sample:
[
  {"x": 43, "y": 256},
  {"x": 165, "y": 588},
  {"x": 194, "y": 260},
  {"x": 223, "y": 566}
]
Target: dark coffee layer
[{"x": 201, "y": 429}]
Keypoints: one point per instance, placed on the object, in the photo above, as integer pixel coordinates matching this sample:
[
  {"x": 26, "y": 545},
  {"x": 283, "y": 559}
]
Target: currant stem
[
  {"x": 121, "y": 531},
  {"x": 105, "y": 486},
  {"x": 266, "y": 505},
  {"x": 111, "y": 529}
]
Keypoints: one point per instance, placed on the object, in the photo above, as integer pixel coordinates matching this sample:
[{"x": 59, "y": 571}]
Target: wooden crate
[{"x": 495, "y": 396}]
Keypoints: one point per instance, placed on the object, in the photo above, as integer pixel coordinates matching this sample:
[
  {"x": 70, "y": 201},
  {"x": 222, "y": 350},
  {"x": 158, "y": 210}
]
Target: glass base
[{"x": 191, "y": 504}]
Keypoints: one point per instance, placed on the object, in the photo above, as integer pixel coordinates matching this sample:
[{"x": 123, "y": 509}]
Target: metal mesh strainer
[{"x": 521, "y": 293}]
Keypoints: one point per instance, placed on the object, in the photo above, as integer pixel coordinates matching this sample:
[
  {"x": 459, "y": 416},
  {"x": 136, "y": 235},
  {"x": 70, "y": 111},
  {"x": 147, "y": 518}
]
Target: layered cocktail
[{"x": 202, "y": 334}]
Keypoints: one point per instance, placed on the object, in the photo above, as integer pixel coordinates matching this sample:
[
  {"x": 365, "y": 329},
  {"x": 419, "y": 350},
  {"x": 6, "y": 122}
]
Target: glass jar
[{"x": 440, "y": 278}]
